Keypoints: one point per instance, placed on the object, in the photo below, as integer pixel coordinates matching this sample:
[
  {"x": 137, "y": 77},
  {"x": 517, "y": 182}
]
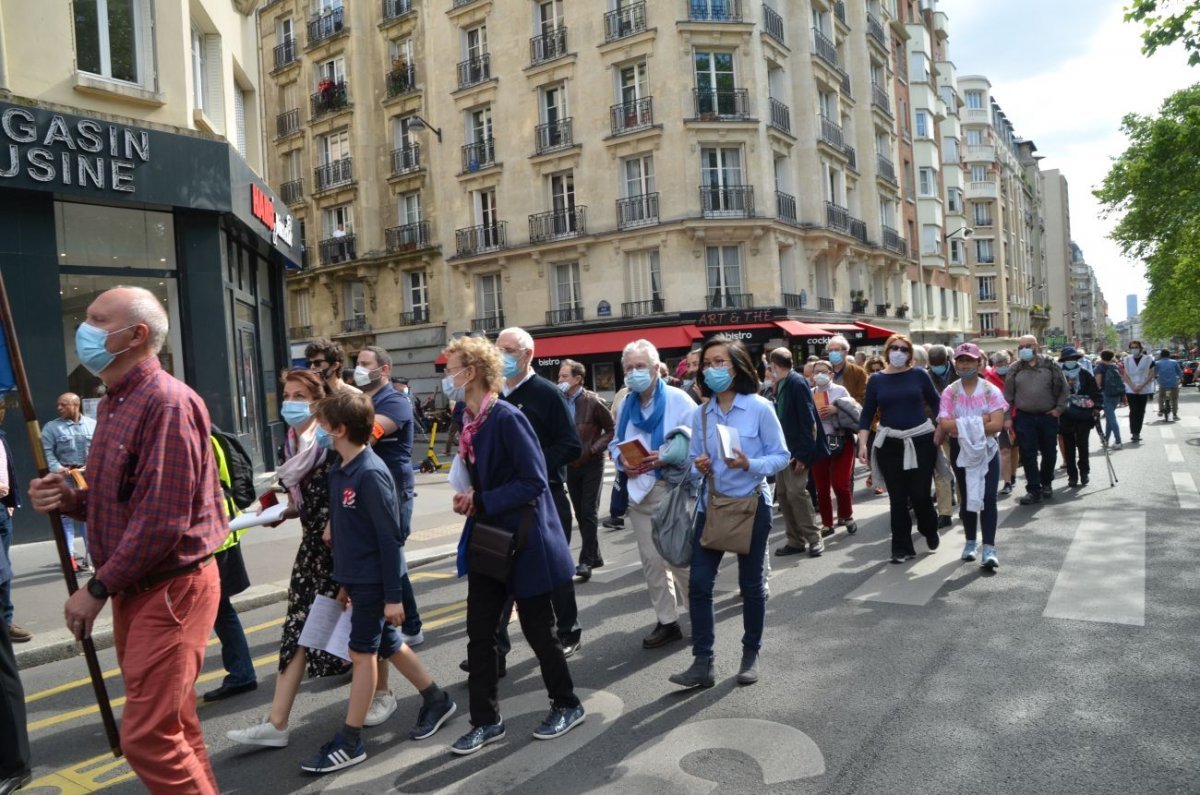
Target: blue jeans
[
  {"x": 6, "y": 605},
  {"x": 70, "y": 528},
  {"x": 1111, "y": 427},
  {"x": 235, "y": 652},
  {"x": 751, "y": 580},
  {"x": 412, "y": 616},
  {"x": 1037, "y": 435}
]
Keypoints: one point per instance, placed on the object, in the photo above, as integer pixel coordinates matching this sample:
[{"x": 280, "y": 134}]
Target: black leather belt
[{"x": 151, "y": 580}]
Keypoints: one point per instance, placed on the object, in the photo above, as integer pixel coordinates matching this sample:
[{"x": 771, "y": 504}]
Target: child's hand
[
  {"x": 343, "y": 598},
  {"x": 394, "y": 613}
]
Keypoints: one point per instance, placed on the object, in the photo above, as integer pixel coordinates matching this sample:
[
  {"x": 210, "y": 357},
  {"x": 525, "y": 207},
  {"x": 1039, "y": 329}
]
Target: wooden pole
[{"x": 33, "y": 428}]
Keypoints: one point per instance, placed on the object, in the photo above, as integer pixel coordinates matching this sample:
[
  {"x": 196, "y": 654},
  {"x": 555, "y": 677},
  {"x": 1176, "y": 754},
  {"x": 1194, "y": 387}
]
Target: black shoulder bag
[{"x": 493, "y": 548}]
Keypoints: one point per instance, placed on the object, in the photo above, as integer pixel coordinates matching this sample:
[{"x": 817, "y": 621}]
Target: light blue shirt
[
  {"x": 67, "y": 443},
  {"x": 1168, "y": 373},
  {"x": 762, "y": 440}
]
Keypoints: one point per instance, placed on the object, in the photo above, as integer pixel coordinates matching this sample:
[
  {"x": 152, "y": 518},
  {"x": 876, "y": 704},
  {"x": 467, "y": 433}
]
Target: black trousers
[
  {"x": 1137, "y": 412},
  {"x": 1075, "y": 444},
  {"x": 486, "y": 599},
  {"x": 14, "y": 739},
  {"x": 905, "y": 486},
  {"x": 583, "y": 487},
  {"x": 562, "y": 504}
]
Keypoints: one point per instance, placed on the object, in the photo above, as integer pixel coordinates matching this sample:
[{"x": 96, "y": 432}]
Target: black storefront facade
[{"x": 88, "y": 204}]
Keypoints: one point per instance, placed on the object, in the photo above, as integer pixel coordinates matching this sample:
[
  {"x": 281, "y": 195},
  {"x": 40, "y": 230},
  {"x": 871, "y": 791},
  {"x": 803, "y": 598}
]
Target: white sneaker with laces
[
  {"x": 383, "y": 704},
  {"x": 263, "y": 733},
  {"x": 970, "y": 550},
  {"x": 412, "y": 641}
]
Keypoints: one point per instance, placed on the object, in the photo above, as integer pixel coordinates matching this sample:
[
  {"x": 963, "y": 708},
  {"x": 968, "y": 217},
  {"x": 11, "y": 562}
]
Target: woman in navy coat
[{"x": 508, "y": 473}]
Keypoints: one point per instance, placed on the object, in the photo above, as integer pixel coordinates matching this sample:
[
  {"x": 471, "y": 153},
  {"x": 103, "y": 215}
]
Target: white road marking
[
  {"x": 1185, "y": 489},
  {"x": 1190, "y": 422},
  {"x": 1104, "y": 575},
  {"x": 1174, "y": 453},
  {"x": 1167, "y": 433},
  {"x": 912, "y": 583}
]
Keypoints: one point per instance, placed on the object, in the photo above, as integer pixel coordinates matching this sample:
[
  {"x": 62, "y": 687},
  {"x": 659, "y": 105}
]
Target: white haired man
[{"x": 845, "y": 371}]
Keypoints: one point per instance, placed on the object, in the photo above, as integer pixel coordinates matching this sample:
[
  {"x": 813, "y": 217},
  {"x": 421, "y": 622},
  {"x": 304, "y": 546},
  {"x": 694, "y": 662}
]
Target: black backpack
[{"x": 241, "y": 469}]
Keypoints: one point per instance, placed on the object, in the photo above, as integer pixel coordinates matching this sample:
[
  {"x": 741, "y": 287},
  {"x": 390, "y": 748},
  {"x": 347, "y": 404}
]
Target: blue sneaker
[
  {"x": 335, "y": 755},
  {"x": 431, "y": 718},
  {"x": 560, "y": 721},
  {"x": 990, "y": 561},
  {"x": 478, "y": 737},
  {"x": 969, "y": 550}
]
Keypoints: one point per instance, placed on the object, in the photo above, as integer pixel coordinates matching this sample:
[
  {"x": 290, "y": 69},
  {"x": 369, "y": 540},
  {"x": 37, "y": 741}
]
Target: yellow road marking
[{"x": 91, "y": 775}]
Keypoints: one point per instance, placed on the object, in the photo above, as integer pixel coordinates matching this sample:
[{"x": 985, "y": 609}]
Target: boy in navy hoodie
[{"x": 368, "y": 562}]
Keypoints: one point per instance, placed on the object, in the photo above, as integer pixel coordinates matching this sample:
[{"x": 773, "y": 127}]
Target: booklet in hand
[
  {"x": 633, "y": 453},
  {"x": 730, "y": 440}
]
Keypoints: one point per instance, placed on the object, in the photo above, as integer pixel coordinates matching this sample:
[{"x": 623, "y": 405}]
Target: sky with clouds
[{"x": 1065, "y": 72}]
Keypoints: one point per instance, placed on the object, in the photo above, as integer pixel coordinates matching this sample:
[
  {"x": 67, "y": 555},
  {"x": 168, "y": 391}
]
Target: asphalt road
[{"x": 1071, "y": 670}]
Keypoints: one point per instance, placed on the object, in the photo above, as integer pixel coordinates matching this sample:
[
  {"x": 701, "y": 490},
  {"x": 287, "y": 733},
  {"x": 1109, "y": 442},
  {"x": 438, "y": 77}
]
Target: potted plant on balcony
[{"x": 902, "y": 310}]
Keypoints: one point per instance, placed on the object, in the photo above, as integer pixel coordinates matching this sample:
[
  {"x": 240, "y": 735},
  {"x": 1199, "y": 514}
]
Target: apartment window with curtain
[
  {"x": 982, "y": 213},
  {"x": 987, "y": 288},
  {"x": 974, "y": 137},
  {"x": 958, "y": 252},
  {"x": 926, "y": 182},
  {"x": 356, "y": 301},
  {"x": 564, "y": 289},
  {"x": 979, "y": 174},
  {"x": 298, "y": 308},
  {"x": 975, "y": 100},
  {"x": 931, "y": 239},
  {"x": 114, "y": 39},
  {"x": 954, "y": 200},
  {"x": 987, "y": 322},
  {"x": 924, "y": 126},
  {"x": 945, "y": 303},
  {"x": 724, "y": 275},
  {"x": 333, "y": 147},
  {"x": 643, "y": 279},
  {"x": 715, "y": 83},
  {"x": 417, "y": 293},
  {"x": 984, "y": 252},
  {"x": 337, "y": 218},
  {"x": 489, "y": 300}
]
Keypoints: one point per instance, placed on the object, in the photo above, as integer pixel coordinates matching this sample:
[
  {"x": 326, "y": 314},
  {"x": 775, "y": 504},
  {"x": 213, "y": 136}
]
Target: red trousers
[
  {"x": 160, "y": 637},
  {"x": 836, "y": 472}
]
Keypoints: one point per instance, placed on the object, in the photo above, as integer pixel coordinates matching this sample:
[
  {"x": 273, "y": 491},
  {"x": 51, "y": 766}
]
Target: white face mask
[
  {"x": 898, "y": 358},
  {"x": 821, "y": 379},
  {"x": 364, "y": 376}
]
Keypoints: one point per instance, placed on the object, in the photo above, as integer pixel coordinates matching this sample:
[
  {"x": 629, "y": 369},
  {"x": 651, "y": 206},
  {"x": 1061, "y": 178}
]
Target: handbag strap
[{"x": 712, "y": 482}]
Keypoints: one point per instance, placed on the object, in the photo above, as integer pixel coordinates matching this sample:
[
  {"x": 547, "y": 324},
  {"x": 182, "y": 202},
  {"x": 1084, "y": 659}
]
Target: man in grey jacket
[{"x": 1035, "y": 386}]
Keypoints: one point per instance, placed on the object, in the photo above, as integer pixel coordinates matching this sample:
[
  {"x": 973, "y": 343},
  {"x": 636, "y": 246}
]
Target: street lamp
[
  {"x": 965, "y": 230},
  {"x": 419, "y": 124}
]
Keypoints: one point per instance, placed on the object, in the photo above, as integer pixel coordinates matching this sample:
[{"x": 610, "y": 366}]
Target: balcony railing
[
  {"x": 558, "y": 224},
  {"x": 326, "y": 25},
  {"x": 773, "y": 24},
  {"x": 337, "y": 249},
  {"x": 479, "y": 239},
  {"x": 844, "y": 80},
  {"x": 886, "y": 168},
  {"x": 794, "y": 301},
  {"x": 287, "y": 122},
  {"x": 355, "y": 325},
  {"x": 858, "y": 229},
  {"x": 406, "y": 158},
  {"x": 875, "y": 30},
  {"x": 292, "y": 191},
  {"x": 570, "y": 314},
  {"x": 285, "y": 53},
  {"x": 331, "y": 175},
  {"x": 880, "y": 99},
  {"x": 837, "y": 217},
  {"x": 714, "y": 10},
  {"x": 987, "y": 296},
  {"x": 553, "y": 135},
  {"x": 831, "y": 133},
  {"x": 713, "y": 104},
  {"x": 631, "y": 116},
  {"x": 781, "y": 115},
  {"x": 330, "y": 97},
  {"x": 892, "y": 241},
  {"x": 785, "y": 206},
  {"x": 548, "y": 46},
  {"x": 625, "y": 22},
  {"x": 825, "y": 304},
  {"x": 480, "y": 154},
  {"x": 655, "y": 306},
  {"x": 474, "y": 70},
  {"x": 839, "y": 10},
  {"x": 415, "y": 317},
  {"x": 851, "y": 156},
  {"x": 299, "y": 332},
  {"x": 881, "y": 310},
  {"x": 401, "y": 80},
  {"x": 641, "y": 210},
  {"x": 729, "y": 201},
  {"x": 824, "y": 49},
  {"x": 408, "y": 237},
  {"x": 724, "y": 300},
  {"x": 396, "y": 8},
  {"x": 985, "y": 189},
  {"x": 488, "y": 324}
]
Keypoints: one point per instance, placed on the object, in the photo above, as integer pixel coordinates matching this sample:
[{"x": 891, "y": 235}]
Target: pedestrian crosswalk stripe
[
  {"x": 1185, "y": 490},
  {"x": 1104, "y": 575},
  {"x": 912, "y": 583},
  {"x": 1174, "y": 453},
  {"x": 1167, "y": 433}
]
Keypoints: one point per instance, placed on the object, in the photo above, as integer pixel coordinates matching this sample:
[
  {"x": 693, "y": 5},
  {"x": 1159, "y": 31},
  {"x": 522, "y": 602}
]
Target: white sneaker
[
  {"x": 412, "y": 641},
  {"x": 263, "y": 733},
  {"x": 383, "y": 704}
]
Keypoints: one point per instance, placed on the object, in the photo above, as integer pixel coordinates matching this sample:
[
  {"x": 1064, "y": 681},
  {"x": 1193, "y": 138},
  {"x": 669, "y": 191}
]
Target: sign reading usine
[{"x": 85, "y": 153}]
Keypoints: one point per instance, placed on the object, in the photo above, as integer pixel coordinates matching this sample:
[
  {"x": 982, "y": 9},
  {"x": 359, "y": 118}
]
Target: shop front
[{"x": 90, "y": 204}]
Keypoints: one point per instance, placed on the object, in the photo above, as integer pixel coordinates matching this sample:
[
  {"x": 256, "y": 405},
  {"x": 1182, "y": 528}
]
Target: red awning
[
  {"x": 795, "y": 328},
  {"x": 874, "y": 332},
  {"x": 598, "y": 342},
  {"x": 710, "y": 330}
]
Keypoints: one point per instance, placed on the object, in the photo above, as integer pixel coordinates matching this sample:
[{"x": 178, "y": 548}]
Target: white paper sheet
[
  {"x": 730, "y": 440},
  {"x": 460, "y": 478},
  {"x": 327, "y": 627},
  {"x": 268, "y": 516}
]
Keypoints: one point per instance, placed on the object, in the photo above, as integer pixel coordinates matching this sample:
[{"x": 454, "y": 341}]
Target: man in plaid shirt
[{"x": 153, "y": 508}]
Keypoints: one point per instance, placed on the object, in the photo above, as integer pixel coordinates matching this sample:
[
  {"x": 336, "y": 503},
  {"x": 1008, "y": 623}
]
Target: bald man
[
  {"x": 155, "y": 510},
  {"x": 67, "y": 441}
]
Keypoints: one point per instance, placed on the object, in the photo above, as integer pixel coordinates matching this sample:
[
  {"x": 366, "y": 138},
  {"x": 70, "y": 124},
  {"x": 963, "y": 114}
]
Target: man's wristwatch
[{"x": 97, "y": 589}]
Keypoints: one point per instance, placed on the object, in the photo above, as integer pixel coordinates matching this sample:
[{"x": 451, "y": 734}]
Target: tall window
[
  {"x": 298, "y": 309},
  {"x": 945, "y": 303},
  {"x": 987, "y": 288},
  {"x": 927, "y": 182},
  {"x": 724, "y": 267},
  {"x": 950, "y": 150},
  {"x": 356, "y": 301},
  {"x": 417, "y": 289},
  {"x": 410, "y": 208},
  {"x": 111, "y": 38},
  {"x": 285, "y": 30},
  {"x": 333, "y": 147},
  {"x": 489, "y": 301},
  {"x": 333, "y": 70},
  {"x": 550, "y": 16},
  {"x": 974, "y": 137},
  {"x": 638, "y": 176},
  {"x": 199, "y": 69},
  {"x": 335, "y": 219},
  {"x": 479, "y": 125},
  {"x": 983, "y": 213},
  {"x": 241, "y": 98},
  {"x": 975, "y": 100},
  {"x": 715, "y": 83},
  {"x": 632, "y": 83},
  {"x": 924, "y": 126},
  {"x": 984, "y": 252},
  {"x": 293, "y": 166},
  {"x": 954, "y": 200},
  {"x": 565, "y": 293},
  {"x": 643, "y": 280},
  {"x": 931, "y": 239},
  {"x": 958, "y": 252},
  {"x": 400, "y": 52},
  {"x": 979, "y": 174},
  {"x": 475, "y": 42},
  {"x": 987, "y": 322}
]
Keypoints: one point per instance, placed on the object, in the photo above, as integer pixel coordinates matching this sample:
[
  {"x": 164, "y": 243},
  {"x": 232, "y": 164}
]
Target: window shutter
[
  {"x": 214, "y": 88},
  {"x": 239, "y": 119}
]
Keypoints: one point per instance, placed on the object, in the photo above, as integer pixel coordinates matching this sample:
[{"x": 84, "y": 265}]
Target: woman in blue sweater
[
  {"x": 903, "y": 451},
  {"x": 498, "y": 447}
]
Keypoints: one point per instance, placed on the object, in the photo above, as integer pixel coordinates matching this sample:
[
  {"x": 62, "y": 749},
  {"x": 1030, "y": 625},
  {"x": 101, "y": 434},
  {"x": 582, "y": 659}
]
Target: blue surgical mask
[
  {"x": 968, "y": 374},
  {"x": 836, "y": 357},
  {"x": 1025, "y": 354},
  {"x": 940, "y": 369},
  {"x": 1002, "y": 370},
  {"x": 718, "y": 378},
  {"x": 324, "y": 440},
  {"x": 455, "y": 394},
  {"x": 90, "y": 347},
  {"x": 295, "y": 412},
  {"x": 638, "y": 380},
  {"x": 512, "y": 365},
  {"x": 1069, "y": 366},
  {"x": 564, "y": 386}
]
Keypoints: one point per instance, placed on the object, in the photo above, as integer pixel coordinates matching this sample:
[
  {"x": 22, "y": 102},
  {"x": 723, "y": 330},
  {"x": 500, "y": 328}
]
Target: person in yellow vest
[{"x": 235, "y": 652}]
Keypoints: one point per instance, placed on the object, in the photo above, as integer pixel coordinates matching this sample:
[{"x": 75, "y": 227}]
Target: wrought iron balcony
[
  {"x": 571, "y": 314},
  {"x": 824, "y": 48},
  {"x": 641, "y": 210},
  {"x": 285, "y": 53},
  {"x": 416, "y": 317},
  {"x": 773, "y": 24},
  {"x": 794, "y": 301},
  {"x": 481, "y": 239},
  {"x": 728, "y": 201},
  {"x": 408, "y": 237},
  {"x": 287, "y": 122},
  {"x": 637, "y": 114},
  {"x": 887, "y": 169},
  {"x": 892, "y": 241},
  {"x": 881, "y": 310},
  {"x": 839, "y": 10},
  {"x": 851, "y": 156},
  {"x": 337, "y": 249},
  {"x": 831, "y": 133},
  {"x": 858, "y": 229},
  {"x": 292, "y": 192},
  {"x": 355, "y": 325},
  {"x": 548, "y": 46},
  {"x": 785, "y": 206},
  {"x": 879, "y": 98},
  {"x": 474, "y": 70},
  {"x": 326, "y": 25},
  {"x": 553, "y": 135},
  {"x": 655, "y": 306},
  {"x": 713, "y": 104},
  {"x": 844, "y": 82},
  {"x": 489, "y": 324},
  {"x": 825, "y": 304},
  {"x": 558, "y": 224},
  {"x": 875, "y": 30},
  {"x": 714, "y": 10},
  {"x": 837, "y": 217},
  {"x": 781, "y": 115},
  {"x": 396, "y": 8},
  {"x": 402, "y": 80},
  {"x": 331, "y": 175},
  {"x": 725, "y": 300},
  {"x": 330, "y": 97},
  {"x": 480, "y": 154},
  {"x": 406, "y": 158},
  {"x": 625, "y": 21}
]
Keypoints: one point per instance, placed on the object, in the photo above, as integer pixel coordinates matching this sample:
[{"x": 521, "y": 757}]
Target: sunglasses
[
  {"x": 318, "y": 363},
  {"x": 900, "y": 348}
]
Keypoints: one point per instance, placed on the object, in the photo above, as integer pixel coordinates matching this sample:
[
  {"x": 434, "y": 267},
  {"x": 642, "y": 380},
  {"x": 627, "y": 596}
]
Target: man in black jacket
[{"x": 806, "y": 442}]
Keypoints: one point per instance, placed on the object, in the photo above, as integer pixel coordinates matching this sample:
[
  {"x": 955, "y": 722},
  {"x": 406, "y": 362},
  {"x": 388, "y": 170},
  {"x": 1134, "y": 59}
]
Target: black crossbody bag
[{"x": 493, "y": 548}]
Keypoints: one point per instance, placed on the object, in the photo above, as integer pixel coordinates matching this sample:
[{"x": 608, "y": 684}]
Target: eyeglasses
[
  {"x": 641, "y": 368},
  {"x": 313, "y": 363},
  {"x": 900, "y": 348},
  {"x": 716, "y": 363},
  {"x": 511, "y": 351},
  {"x": 1025, "y": 347}
]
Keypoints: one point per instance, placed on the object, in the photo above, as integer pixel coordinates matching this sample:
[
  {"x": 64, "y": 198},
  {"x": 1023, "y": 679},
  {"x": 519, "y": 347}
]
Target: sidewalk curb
[{"x": 49, "y": 647}]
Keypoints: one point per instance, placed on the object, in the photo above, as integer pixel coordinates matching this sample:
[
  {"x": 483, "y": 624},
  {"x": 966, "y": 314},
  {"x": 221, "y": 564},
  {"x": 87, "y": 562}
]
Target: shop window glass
[{"x": 93, "y": 236}]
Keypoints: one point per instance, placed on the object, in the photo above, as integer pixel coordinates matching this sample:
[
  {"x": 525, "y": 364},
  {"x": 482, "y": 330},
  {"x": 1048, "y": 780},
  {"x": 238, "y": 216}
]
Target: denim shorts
[{"x": 370, "y": 633}]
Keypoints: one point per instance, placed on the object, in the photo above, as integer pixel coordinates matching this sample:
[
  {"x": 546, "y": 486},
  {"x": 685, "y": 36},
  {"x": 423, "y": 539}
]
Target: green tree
[
  {"x": 1153, "y": 188},
  {"x": 1165, "y": 22}
]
